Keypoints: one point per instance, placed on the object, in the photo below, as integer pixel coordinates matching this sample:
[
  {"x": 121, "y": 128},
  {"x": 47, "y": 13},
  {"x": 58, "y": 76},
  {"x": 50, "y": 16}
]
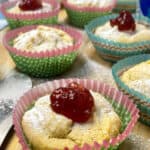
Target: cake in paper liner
[
  {"x": 113, "y": 50},
  {"x": 122, "y": 105},
  {"x": 44, "y": 63},
  {"x": 142, "y": 101},
  {"x": 16, "y": 20},
  {"x": 80, "y": 16}
]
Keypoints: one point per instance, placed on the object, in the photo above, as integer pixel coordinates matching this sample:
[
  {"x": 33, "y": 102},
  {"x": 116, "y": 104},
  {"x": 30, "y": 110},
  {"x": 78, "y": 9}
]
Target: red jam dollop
[
  {"x": 26, "y": 5},
  {"x": 74, "y": 102},
  {"x": 124, "y": 21}
]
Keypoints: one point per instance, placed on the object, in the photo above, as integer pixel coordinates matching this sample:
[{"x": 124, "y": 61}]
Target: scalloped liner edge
[{"x": 74, "y": 33}]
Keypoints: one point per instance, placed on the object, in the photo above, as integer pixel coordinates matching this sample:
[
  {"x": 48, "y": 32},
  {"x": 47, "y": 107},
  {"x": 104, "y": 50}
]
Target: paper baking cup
[
  {"x": 81, "y": 16},
  {"x": 111, "y": 50},
  {"x": 122, "y": 105},
  {"x": 45, "y": 63},
  {"x": 141, "y": 100},
  {"x": 143, "y": 19},
  {"x": 19, "y": 20},
  {"x": 126, "y": 5}
]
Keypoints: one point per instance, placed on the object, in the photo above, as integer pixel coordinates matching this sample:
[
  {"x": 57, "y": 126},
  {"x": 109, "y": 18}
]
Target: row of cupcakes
[
  {"x": 80, "y": 12},
  {"x": 45, "y": 51},
  {"x": 45, "y": 116},
  {"x": 30, "y": 46},
  {"x": 119, "y": 36}
]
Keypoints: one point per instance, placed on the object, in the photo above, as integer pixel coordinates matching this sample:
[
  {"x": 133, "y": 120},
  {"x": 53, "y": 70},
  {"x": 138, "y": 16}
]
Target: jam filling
[
  {"x": 27, "y": 5},
  {"x": 124, "y": 21},
  {"x": 74, "y": 102}
]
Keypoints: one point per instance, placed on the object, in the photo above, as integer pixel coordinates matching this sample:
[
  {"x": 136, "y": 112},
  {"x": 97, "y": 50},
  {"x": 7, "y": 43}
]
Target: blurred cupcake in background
[
  {"x": 80, "y": 12},
  {"x": 118, "y": 36},
  {"x": 30, "y": 12}
]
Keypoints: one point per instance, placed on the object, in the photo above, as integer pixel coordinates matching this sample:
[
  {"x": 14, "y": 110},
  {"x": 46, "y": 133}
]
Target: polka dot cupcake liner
[
  {"x": 141, "y": 100},
  {"x": 111, "y": 50},
  {"x": 79, "y": 17},
  {"x": 45, "y": 63},
  {"x": 122, "y": 105},
  {"x": 19, "y": 20}
]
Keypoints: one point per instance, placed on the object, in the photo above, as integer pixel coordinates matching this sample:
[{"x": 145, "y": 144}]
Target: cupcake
[
  {"x": 116, "y": 37},
  {"x": 70, "y": 116},
  {"x": 80, "y": 12},
  {"x": 133, "y": 77},
  {"x": 129, "y": 5},
  {"x": 30, "y": 12},
  {"x": 43, "y": 51}
]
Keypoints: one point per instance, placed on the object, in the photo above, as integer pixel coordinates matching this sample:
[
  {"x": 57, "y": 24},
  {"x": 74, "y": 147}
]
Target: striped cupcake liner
[
  {"x": 44, "y": 63},
  {"x": 122, "y": 105},
  {"x": 81, "y": 16},
  {"x": 19, "y": 20},
  {"x": 111, "y": 50},
  {"x": 139, "y": 99},
  {"x": 125, "y": 5}
]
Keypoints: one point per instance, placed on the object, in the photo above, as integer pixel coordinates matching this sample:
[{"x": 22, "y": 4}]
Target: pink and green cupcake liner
[
  {"x": 79, "y": 17},
  {"x": 19, "y": 20},
  {"x": 121, "y": 103},
  {"x": 45, "y": 63}
]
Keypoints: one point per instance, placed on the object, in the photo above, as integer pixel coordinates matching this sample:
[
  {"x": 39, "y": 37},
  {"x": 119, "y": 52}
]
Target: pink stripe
[
  {"x": 106, "y": 144},
  {"x": 42, "y": 15},
  {"x": 46, "y": 88},
  {"x": 86, "y": 147},
  {"x": 90, "y": 9},
  {"x": 96, "y": 146},
  {"x": 74, "y": 33}
]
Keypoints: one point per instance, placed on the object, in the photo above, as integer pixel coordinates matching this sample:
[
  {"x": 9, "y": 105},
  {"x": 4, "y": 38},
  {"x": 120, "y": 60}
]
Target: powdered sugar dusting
[{"x": 142, "y": 86}]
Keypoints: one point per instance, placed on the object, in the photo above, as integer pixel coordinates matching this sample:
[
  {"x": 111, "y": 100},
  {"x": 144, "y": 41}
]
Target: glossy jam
[
  {"x": 124, "y": 21},
  {"x": 74, "y": 102},
  {"x": 27, "y": 5}
]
